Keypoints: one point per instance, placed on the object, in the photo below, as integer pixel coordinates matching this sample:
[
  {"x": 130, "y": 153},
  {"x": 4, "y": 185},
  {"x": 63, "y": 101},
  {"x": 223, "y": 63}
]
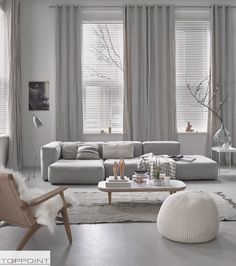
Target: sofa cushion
[
  {"x": 118, "y": 150},
  {"x": 130, "y": 166},
  {"x": 138, "y": 148},
  {"x": 76, "y": 172},
  {"x": 69, "y": 150},
  {"x": 87, "y": 152},
  {"x": 161, "y": 147},
  {"x": 98, "y": 144},
  {"x": 201, "y": 168}
]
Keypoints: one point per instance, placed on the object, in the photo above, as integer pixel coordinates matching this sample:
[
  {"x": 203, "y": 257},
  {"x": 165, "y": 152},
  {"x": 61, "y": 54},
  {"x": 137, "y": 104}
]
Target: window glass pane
[
  {"x": 102, "y": 60},
  {"x": 192, "y": 66}
]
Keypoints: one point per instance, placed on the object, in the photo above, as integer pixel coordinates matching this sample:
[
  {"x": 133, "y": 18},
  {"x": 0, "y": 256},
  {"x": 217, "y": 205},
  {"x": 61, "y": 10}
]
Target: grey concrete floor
[{"x": 131, "y": 244}]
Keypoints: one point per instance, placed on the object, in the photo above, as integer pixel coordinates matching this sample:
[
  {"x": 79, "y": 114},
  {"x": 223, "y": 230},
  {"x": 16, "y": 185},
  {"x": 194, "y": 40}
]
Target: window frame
[
  {"x": 96, "y": 16},
  {"x": 197, "y": 14}
]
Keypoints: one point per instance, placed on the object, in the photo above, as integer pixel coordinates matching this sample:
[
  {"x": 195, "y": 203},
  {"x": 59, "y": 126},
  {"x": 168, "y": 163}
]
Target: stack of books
[{"x": 116, "y": 183}]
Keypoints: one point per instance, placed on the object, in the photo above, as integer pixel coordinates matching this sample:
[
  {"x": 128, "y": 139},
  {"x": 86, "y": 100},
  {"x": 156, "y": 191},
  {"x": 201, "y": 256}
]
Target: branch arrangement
[
  {"x": 201, "y": 95},
  {"x": 105, "y": 47}
]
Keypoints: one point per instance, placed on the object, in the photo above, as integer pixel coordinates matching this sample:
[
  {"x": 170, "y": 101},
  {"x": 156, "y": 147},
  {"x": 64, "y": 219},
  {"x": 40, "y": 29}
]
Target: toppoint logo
[{"x": 25, "y": 258}]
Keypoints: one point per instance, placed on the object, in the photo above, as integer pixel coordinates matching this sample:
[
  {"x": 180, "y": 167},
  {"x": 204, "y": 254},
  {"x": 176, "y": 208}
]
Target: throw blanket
[
  {"x": 46, "y": 212},
  {"x": 148, "y": 160}
]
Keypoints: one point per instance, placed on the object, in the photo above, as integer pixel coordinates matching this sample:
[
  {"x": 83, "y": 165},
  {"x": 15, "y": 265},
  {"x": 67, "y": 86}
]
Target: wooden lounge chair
[{"x": 17, "y": 212}]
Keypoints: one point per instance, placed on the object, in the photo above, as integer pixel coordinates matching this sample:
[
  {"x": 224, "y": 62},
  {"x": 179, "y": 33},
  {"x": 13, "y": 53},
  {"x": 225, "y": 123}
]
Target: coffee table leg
[
  {"x": 172, "y": 192},
  {"x": 109, "y": 198}
]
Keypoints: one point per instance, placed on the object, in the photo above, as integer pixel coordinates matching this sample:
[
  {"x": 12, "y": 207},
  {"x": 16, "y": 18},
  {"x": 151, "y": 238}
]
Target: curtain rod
[{"x": 87, "y": 6}]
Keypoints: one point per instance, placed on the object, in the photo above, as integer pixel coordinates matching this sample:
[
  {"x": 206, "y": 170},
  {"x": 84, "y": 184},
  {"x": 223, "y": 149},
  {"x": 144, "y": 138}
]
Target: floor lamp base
[{"x": 34, "y": 166}]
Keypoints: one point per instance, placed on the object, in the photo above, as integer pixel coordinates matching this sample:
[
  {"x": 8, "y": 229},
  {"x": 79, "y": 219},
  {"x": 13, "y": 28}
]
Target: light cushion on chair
[{"x": 188, "y": 217}]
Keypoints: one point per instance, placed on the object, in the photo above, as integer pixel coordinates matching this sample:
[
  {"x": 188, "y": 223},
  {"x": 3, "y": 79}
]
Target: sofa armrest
[{"x": 49, "y": 154}]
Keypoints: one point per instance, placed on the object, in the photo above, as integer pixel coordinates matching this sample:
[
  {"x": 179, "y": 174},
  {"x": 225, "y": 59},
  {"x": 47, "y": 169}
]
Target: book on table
[
  {"x": 111, "y": 179},
  {"x": 118, "y": 184}
]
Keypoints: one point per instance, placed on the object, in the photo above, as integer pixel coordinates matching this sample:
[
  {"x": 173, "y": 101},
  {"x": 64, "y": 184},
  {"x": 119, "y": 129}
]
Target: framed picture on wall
[{"x": 38, "y": 95}]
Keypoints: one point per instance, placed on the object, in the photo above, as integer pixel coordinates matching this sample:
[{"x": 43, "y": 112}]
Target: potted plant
[{"x": 156, "y": 174}]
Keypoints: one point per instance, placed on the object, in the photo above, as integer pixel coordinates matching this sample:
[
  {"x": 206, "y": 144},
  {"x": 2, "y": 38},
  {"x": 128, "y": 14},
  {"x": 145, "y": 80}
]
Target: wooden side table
[{"x": 219, "y": 150}]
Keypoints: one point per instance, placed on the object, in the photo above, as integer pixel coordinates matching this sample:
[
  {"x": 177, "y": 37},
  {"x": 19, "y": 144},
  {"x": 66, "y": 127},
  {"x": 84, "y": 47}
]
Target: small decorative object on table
[
  {"x": 122, "y": 168},
  {"x": 140, "y": 177},
  {"x": 115, "y": 170},
  {"x": 156, "y": 173},
  {"x": 167, "y": 181},
  {"x": 112, "y": 182}
]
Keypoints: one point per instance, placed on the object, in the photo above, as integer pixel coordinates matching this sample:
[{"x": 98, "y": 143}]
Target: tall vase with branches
[{"x": 201, "y": 93}]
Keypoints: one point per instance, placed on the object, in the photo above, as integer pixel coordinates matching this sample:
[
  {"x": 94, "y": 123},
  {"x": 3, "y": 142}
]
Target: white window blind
[
  {"x": 192, "y": 66},
  {"x": 102, "y": 65},
  {"x": 3, "y": 76}
]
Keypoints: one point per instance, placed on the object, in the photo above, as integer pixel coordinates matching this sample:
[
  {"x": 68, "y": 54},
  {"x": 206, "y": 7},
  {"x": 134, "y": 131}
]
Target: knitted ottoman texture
[{"x": 188, "y": 217}]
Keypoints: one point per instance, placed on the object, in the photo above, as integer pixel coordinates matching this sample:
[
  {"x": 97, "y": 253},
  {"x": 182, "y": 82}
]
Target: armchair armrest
[
  {"x": 48, "y": 196},
  {"x": 49, "y": 154}
]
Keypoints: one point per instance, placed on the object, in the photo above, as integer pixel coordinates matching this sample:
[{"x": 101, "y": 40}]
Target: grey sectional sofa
[{"x": 57, "y": 170}]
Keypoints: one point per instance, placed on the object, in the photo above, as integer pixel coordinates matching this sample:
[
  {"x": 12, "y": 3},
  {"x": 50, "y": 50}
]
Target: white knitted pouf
[{"x": 188, "y": 217}]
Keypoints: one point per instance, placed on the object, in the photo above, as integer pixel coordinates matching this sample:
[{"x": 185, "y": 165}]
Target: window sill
[
  {"x": 101, "y": 134},
  {"x": 4, "y": 136},
  {"x": 192, "y": 133}
]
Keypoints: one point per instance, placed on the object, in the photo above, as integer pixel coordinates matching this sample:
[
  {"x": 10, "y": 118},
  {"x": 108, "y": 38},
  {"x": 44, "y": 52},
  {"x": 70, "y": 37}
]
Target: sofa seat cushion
[
  {"x": 201, "y": 168},
  {"x": 76, "y": 172},
  {"x": 130, "y": 166}
]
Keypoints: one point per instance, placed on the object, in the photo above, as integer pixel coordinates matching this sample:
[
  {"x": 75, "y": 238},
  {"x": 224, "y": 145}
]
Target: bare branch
[
  {"x": 112, "y": 46},
  {"x": 202, "y": 103},
  {"x": 103, "y": 39},
  {"x": 221, "y": 104},
  {"x": 97, "y": 74}
]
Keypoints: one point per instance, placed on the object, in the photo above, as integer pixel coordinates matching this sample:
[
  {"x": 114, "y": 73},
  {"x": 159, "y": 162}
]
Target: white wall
[{"x": 38, "y": 57}]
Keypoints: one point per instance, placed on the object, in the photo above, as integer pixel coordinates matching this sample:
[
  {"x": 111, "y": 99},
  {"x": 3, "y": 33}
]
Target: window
[
  {"x": 102, "y": 61},
  {"x": 3, "y": 76},
  {"x": 192, "y": 65}
]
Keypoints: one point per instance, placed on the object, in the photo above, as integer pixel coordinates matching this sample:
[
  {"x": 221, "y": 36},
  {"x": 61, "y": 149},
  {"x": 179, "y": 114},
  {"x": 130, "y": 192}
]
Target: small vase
[{"x": 222, "y": 138}]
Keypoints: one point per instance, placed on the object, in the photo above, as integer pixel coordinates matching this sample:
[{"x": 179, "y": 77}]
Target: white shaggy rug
[{"x": 132, "y": 207}]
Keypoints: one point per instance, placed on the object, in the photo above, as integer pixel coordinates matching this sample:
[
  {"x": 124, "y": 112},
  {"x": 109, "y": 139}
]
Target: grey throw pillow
[
  {"x": 87, "y": 152},
  {"x": 69, "y": 150}
]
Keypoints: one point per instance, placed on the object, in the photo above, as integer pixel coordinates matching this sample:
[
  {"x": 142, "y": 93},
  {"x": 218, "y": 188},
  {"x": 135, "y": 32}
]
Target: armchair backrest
[{"x": 12, "y": 209}]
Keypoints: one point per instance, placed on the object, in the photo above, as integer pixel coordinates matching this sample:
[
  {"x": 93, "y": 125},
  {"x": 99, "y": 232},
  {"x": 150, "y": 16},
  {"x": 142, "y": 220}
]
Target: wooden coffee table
[{"x": 175, "y": 185}]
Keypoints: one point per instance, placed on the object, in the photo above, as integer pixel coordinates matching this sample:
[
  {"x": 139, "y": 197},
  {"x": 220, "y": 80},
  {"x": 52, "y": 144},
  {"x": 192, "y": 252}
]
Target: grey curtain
[
  {"x": 149, "y": 97},
  {"x": 223, "y": 69},
  {"x": 14, "y": 97},
  {"x": 68, "y": 74}
]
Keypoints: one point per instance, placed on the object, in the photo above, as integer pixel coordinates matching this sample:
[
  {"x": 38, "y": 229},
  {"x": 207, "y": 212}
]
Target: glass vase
[{"x": 222, "y": 138}]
